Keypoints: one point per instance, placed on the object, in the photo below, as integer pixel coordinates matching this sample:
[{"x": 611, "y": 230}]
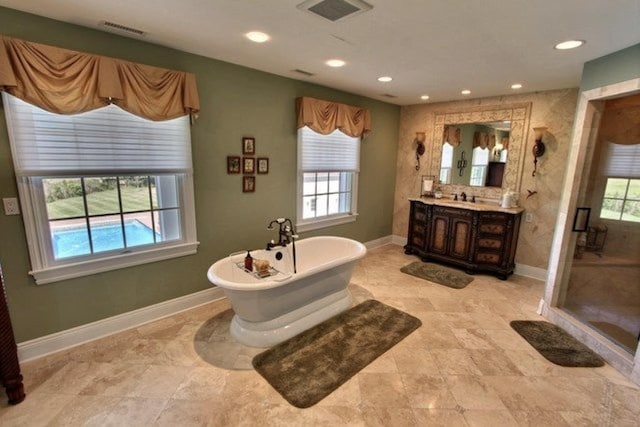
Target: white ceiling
[{"x": 434, "y": 47}]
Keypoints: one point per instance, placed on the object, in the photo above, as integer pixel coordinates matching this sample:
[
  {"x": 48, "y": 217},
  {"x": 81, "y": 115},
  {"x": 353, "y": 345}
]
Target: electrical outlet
[
  {"x": 11, "y": 206},
  {"x": 528, "y": 217}
]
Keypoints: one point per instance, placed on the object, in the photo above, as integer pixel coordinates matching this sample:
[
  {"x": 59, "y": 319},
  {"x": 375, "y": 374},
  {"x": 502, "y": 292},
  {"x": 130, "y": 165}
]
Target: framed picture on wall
[
  {"x": 233, "y": 164},
  {"x": 248, "y": 145},
  {"x": 248, "y": 184},
  {"x": 263, "y": 165},
  {"x": 248, "y": 165}
]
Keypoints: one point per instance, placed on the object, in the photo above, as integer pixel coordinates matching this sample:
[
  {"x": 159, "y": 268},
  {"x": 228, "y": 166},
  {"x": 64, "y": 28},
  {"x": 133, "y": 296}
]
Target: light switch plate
[
  {"x": 11, "y": 206},
  {"x": 528, "y": 217}
]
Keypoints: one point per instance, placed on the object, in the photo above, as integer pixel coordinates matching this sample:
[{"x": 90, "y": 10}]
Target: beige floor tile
[
  {"x": 202, "y": 384},
  {"x": 493, "y": 362},
  {"x": 411, "y": 360},
  {"x": 115, "y": 380},
  {"x": 382, "y": 390},
  {"x": 348, "y": 394},
  {"x": 385, "y": 364},
  {"x": 429, "y": 392},
  {"x": 35, "y": 411},
  {"x": 439, "y": 417},
  {"x": 384, "y": 417},
  {"x": 186, "y": 413},
  {"x": 159, "y": 382},
  {"x": 85, "y": 411},
  {"x": 455, "y": 362},
  {"x": 463, "y": 366},
  {"x": 540, "y": 418},
  {"x": 134, "y": 412},
  {"x": 475, "y": 339},
  {"x": 489, "y": 418},
  {"x": 473, "y": 392},
  {"x": 246, "y": 387}
]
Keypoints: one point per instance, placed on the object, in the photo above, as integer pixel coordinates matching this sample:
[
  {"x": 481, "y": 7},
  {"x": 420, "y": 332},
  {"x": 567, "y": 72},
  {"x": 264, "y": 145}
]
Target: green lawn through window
[{"x": 103, "y": 202}]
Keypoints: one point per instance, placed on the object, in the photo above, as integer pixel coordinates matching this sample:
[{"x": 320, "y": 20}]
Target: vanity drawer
[
  {"x": 492, "y": 228},
  {"x": 488, "y": 258},
  {"x": 417, "y": 240},
  {"x": 420, "y": 215},
  {"x": 419, "y": 228},
  {"x": 489, "y": 243}
]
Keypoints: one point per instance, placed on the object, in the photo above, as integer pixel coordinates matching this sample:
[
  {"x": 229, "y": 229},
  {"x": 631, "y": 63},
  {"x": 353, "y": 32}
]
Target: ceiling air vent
[
  {"x": 335, "y": 10},
  {"x": 122, "y": 28},
  {"x": 306, "y": 73}
]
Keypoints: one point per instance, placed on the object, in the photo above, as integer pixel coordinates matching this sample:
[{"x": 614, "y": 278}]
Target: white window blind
[
  {"x": 447, "y": 155},
  {"x": 107, "y": 140},
  {"x": 328, "y": 153},
  {"x": 623, "y": 161}
]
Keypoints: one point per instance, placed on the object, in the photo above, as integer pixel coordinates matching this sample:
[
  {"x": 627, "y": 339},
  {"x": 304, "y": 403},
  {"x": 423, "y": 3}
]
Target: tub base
[{"x": 274, "y": 331}]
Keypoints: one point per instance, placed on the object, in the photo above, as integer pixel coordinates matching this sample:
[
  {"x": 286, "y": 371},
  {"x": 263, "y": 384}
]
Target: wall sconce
[
  {"x": 538, "y": 147},
  {"x": 419, "y": 140}
]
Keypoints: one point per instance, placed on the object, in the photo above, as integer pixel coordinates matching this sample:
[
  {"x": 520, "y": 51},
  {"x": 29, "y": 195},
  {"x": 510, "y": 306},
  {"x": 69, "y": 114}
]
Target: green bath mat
[
  {"x": 308, "y": 367},
  {"x": 556, "y": 345},
  {"x": 438, "y": 274}
]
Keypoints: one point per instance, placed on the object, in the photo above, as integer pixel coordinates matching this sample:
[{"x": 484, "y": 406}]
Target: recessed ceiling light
[
  {"x": 516, "y": 86},
  {"x": 335, "y": 63},
  {"x": 384, "y": 79},
  {"x": 466, "y": 92},
  {"x": 569, "y": 44},
  {"x": 257, "y": 36},
  {"x": 424, "y": 97}
]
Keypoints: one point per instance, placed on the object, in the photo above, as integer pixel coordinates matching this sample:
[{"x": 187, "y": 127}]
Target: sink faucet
[
  {"x": 464, "y": 196},
  {"x": 286, "y": 232}
]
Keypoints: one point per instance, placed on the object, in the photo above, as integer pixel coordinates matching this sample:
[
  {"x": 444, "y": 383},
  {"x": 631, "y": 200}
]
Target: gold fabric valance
[
  {"x": 620, "y": 123},
  {"x": 484, "y": 140},
  {"x": 451, "y": 135},
  {"x": 68, "y": 82},
  {"x": 325, "y": 117}
]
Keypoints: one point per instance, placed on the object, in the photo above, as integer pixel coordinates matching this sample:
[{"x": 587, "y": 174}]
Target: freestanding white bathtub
[{"x": 274, "y": 309}]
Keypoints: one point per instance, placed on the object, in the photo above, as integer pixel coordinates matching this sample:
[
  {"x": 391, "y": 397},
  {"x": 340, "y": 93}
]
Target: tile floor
[{"x": 464, "y": 367}]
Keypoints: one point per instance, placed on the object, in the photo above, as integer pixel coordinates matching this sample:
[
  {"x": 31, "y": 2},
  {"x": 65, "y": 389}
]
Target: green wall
[
  {"x": 613, "y": 68},
  {"x": 235, "y": 101}
]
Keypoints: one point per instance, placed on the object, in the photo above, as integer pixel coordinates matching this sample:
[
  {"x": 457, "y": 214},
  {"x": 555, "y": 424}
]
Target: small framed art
[
  {"x": 248, "y": 145},
  {"x": 233, "y": 164},
  {"x": 248, "y": 165},
  {"x": 263, "y": 165},
  {"x": 248, "y": 184}
]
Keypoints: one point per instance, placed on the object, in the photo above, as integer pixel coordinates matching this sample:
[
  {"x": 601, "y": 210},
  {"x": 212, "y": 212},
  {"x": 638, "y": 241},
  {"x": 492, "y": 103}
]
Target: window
[
  {"x": 327, "y": 178},
  {"x": 621, "y": 200},
  {"x": 446, "y": 163},
  {"x": 101, "y": 190},
  {"x": 479, "y": 163}
]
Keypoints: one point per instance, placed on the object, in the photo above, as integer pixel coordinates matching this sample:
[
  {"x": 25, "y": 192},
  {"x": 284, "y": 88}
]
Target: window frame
[
  {"x": 37, "y": 230},
  {"x": 45, "y": 268},
  {"x": 325, "y": 220},
  {"x": 624, "y": 199}
]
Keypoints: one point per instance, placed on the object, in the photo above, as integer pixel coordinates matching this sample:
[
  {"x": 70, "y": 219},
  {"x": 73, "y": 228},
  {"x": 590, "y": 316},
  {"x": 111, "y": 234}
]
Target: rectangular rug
[
  {"x": 309, "y": 366},
  {"x": 556, "y": 345},
  {"x": 438, "y": 274}
]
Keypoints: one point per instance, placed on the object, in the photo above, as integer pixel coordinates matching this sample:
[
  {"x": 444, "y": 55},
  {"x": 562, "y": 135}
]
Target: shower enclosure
[{"x": 593, "y": 286}]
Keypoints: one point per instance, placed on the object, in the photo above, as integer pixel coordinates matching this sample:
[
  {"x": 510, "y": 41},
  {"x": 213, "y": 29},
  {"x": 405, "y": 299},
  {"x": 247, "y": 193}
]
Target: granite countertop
[{"x": 478, "y": 206}]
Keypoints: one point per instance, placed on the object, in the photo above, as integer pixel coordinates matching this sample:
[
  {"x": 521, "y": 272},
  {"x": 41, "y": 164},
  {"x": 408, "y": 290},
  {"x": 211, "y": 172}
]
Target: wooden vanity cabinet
[{"x": 476, "y": 240}]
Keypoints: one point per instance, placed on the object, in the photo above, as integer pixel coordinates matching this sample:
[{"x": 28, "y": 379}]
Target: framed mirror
[{"x": 480, "y": 150}]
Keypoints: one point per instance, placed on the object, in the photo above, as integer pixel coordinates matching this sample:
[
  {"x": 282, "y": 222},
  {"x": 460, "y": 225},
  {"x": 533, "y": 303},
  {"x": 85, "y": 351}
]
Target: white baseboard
[
  {"x": 42, "y": 346},
  {"x": 372, "y": 244},
  {"x": 398, "y": 240},
  {"x": 529, "y": 271}
]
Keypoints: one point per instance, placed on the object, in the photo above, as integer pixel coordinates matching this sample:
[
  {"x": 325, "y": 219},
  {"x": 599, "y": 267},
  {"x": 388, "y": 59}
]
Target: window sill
[
  {"x": 325, "y": 222},
  {"x": 116, "y": 262}
]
